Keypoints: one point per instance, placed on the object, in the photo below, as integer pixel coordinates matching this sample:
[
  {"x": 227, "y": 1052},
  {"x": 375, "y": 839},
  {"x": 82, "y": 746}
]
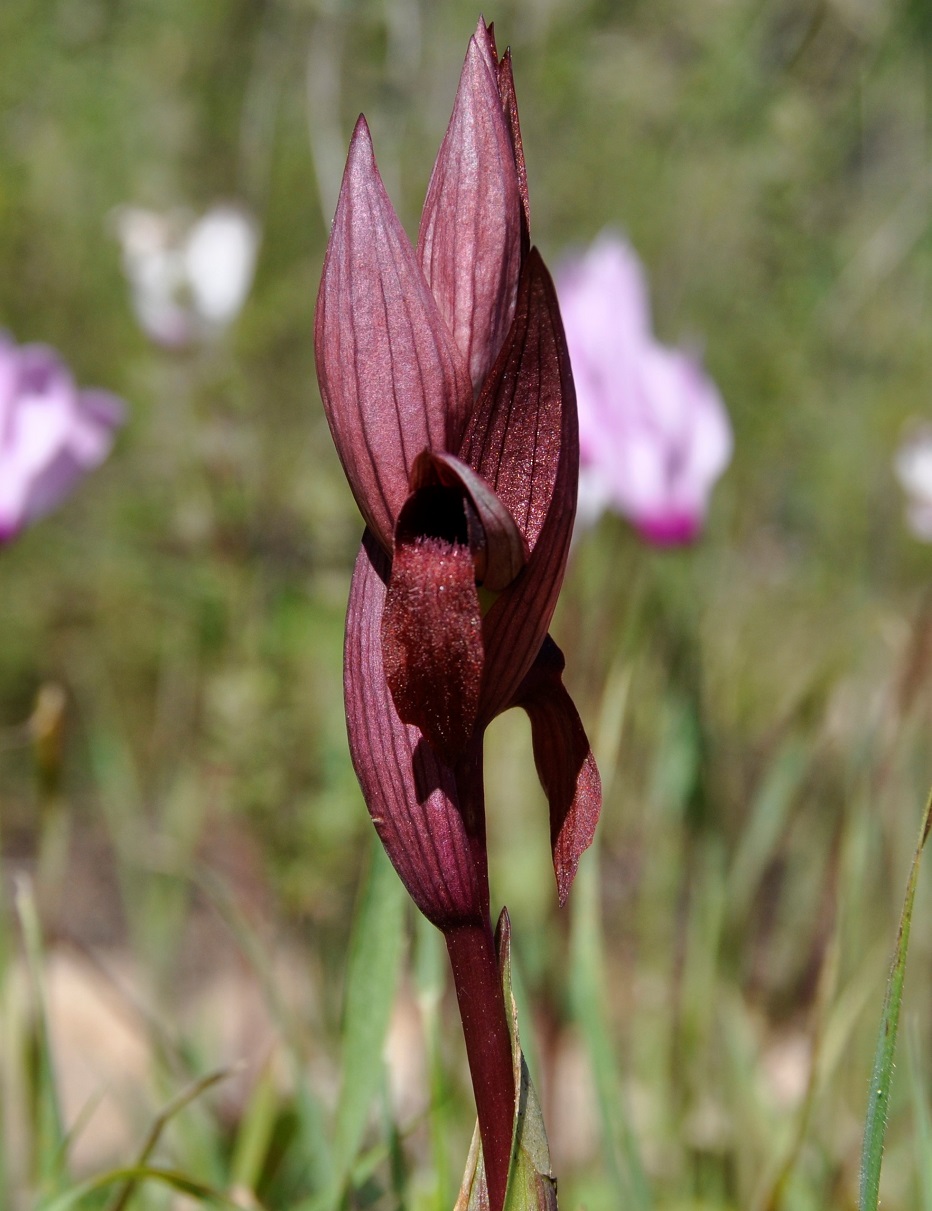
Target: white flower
[
  {"x": 189, "y": 279},
  {"x": 913, "y": 467}
]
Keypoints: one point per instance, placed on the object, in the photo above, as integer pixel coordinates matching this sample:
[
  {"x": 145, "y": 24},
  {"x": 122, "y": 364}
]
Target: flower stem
[{"x": 478, "y": 983}]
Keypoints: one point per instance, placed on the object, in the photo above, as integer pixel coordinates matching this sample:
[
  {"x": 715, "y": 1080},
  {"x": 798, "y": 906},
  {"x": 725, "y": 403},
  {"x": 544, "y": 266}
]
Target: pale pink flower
[
  {"x": 654, "y": 435},
  {"x": 51, "y": 434}
]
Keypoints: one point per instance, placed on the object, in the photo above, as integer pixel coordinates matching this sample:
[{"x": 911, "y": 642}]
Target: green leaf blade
[
  {"x": 878, "y": 1101},
  {"x": 375, "y": 959}
]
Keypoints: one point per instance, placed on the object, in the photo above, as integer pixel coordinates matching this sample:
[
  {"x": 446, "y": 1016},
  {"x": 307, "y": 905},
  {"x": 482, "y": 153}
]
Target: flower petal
[
  {"x": 504, "y": 75},
  {"x": 506, "y": 88},
  {"x": 499, "y": 550},
  {"x": 391, "y": 378},
  {"x": 653, "y": 430},
  {"x": 452, "y": 534},
  {"x": 522, "y": 439},
  {"x": 9, "y": 381},
  {"x": 515, "y": 437},
  {"x": 219, "y": 257},
  {"x": 469, "y": 243},
  {"x": 411, "y": 795},
  {"x": 565, "y": 763},
  {"x": 51, "y": 434}
]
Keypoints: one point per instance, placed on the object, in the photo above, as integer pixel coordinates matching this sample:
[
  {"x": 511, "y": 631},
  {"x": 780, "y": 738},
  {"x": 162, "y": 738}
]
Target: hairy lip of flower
[{"x": 434, "y": 671}]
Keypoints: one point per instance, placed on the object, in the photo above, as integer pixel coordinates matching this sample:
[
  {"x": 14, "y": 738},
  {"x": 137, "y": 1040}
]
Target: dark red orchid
[{"x": 447, "y": 385}]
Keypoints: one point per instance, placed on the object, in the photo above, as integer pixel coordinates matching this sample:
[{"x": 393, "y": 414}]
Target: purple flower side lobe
[{"x": 51, "y": 433}]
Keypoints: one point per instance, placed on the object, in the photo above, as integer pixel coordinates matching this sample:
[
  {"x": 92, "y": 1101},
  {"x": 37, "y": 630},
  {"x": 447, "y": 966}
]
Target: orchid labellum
[{"x": 446, "y": 381}]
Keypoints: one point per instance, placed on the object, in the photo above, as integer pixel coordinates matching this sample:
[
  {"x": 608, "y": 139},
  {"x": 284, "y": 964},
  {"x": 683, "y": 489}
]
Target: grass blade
[
  {"x": 374, "y": 961},
  {"x": 136, "y": 1175},
  {"x": 587, "y": 992},
  {"x": 49, "y": 1134},
  {"x": 163, "y": 1118},
  {"x": 255, "y": 1132},
  {"x": 882, "y": 1074},
  {"x": 923, "y": 1120},
  {"x": 430, "y": 977}
]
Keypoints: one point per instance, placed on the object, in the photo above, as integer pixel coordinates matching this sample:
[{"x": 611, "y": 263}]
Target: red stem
[
  {"x": 471, "y": 787},
  {"x": 478, "y": 983}
]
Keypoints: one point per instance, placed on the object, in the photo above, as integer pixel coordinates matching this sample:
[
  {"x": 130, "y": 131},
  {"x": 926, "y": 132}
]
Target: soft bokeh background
[{"x": 760, "y": 704}]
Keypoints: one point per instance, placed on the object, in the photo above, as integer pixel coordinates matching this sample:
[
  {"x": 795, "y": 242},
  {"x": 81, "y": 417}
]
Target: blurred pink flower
[
  {"x": 654, "y": 435},
  {"x": 51, "y": 434}
]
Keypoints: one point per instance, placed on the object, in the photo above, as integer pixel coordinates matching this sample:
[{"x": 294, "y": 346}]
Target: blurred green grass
[{"x": 761, "y": 703}]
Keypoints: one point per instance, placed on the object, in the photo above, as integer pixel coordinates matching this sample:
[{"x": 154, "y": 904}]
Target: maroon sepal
[
  {"x": 469, "y": 242},
  {"x": 564, "y": 761},
  {"x": 506, "y": 88},
  {"x": 522, "y": 438},
  {"x": 410, "y": 793},
  {"x": 391, "y": 377},
  {"x": 485, "y": 36}
]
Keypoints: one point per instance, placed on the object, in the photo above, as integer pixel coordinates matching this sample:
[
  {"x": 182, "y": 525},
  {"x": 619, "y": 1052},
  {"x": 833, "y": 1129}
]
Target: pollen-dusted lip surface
[{"x": 432, "y": 642}]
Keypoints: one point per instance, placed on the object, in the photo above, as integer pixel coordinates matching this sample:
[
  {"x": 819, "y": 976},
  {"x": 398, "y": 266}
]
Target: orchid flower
[
  {"x": 189, "y": 278},
  {"x": 446, "y": 382},
  {"x": 653, "y": 432},
  {"x": 51, "y": 434}
]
